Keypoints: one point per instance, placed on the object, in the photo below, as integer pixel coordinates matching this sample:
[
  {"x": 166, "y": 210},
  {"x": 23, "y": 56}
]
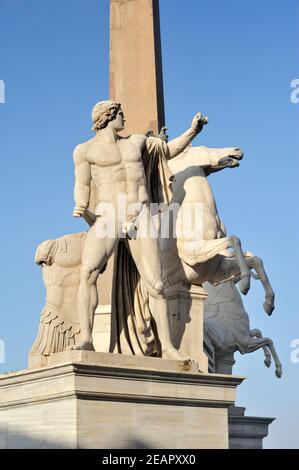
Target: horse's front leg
[
  {"x": 257, "y": 264},
  {"x": 245, "y": 276},
  {"x": 219, "y": 269}
]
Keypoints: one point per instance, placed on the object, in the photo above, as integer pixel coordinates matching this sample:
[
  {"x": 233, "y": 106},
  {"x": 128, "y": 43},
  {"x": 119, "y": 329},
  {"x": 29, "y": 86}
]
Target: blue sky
[{"x": 233, "y": 61}]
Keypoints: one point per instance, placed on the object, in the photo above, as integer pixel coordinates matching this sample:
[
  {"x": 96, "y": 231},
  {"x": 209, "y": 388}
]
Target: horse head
[
  {"x": 207, "y": 158},
  {"x": 200, "y": 162}
]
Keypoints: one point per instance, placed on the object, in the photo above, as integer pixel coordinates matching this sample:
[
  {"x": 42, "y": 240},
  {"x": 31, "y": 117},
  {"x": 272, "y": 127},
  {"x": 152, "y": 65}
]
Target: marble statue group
[{"x": 148, "y": 202}]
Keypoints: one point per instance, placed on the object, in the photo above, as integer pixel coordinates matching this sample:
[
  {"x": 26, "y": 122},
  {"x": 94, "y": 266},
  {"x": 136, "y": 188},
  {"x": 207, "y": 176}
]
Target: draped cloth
[{"x": 132, "y": 327}]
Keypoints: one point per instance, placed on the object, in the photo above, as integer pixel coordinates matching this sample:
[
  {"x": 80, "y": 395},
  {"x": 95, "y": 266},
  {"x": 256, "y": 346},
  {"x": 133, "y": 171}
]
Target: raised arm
[
  {"x": 82, "y": 181},
  {"x": 178, "y": 145}
]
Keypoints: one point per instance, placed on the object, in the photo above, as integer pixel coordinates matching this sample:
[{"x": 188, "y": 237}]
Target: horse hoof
[
  {"x": 268, "y": 307},
  {"x": 244, "y": 284},
  {"x": 267, "y": 361},
  {"x": 278, "y": 372}
]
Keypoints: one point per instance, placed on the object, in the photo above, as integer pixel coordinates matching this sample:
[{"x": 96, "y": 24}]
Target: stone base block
[
  {"x": 91, "y": 400},
  {"x": 246, "y": 432}
]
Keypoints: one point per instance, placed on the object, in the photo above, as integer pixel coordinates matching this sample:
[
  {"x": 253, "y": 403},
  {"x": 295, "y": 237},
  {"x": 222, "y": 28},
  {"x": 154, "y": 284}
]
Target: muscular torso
[
  {"x": 117, "y": 169},
  {"x": 62, "y": 277}
]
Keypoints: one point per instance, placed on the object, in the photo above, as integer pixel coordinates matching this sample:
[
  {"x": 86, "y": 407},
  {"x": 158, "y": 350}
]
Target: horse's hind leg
[
  {"x": 251, "y": 344},
  {"x": 258, "y": 334},
  {"x": 278, "y": 365},
  {"x": 260, "y": 343},
  {"x": 257, "y": 264}
]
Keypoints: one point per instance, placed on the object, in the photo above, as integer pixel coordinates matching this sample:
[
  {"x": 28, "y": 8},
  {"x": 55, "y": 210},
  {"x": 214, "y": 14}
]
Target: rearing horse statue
[{"x": 204, "y": 255}]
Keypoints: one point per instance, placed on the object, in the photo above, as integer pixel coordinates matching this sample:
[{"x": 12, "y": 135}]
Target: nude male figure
[{"x": 115, "y": 166}]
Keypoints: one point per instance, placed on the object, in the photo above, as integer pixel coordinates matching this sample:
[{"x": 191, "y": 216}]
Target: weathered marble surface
[
  {"x": 246, "y": 432},
  {"x": 227, "y": 328},
  {"x": 84, "y": 401}
]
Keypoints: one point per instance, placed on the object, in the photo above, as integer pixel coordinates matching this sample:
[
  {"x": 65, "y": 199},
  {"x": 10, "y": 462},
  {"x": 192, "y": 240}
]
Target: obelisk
[{"x": 136, "y": 81}]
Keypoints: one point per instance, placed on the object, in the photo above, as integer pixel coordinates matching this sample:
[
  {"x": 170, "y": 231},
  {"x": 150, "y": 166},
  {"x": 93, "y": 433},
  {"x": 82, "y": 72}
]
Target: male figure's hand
[
  {"x": 198, "y": 122},
  {"x": 79, "y": 211}
]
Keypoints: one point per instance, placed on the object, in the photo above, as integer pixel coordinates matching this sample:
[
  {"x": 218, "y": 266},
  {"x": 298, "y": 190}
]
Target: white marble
[{"x": 84, "y": 401}]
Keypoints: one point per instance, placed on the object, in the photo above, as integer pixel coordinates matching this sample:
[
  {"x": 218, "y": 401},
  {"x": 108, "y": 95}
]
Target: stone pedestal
[
  {"x": 246, "y": 432},
  {"x": 101, "y": 328},
  {"x": 224, "y": 364},
  {"x": 187, "y": 324},
  {"x": 209, "y": 351},
  {"x": 186, "y": 327},
  {"x": 97, "y": 400}
]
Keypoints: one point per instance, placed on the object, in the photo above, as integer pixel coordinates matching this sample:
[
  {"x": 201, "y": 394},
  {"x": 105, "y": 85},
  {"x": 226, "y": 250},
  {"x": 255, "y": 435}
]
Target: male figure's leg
[
  {"x": 145, "y": 251},
  {"x": 97, "y": 250}
]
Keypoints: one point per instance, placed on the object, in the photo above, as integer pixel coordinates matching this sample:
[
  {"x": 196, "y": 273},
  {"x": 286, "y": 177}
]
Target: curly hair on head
[{"x": 104, "y": 112}]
